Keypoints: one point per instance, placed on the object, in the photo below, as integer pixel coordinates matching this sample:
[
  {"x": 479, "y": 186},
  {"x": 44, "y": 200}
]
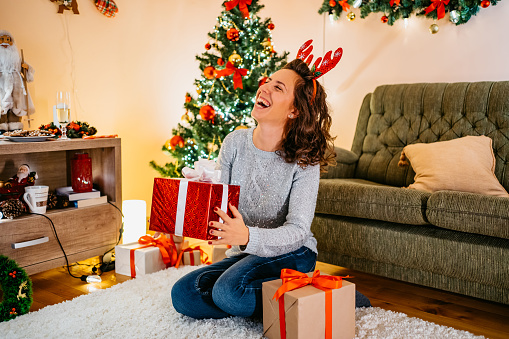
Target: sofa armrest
[{"x": 346, "y": 161}]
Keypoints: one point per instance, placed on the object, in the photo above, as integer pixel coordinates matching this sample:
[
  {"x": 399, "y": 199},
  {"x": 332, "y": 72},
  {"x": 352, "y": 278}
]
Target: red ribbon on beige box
[{"x": 293, "y": 279}]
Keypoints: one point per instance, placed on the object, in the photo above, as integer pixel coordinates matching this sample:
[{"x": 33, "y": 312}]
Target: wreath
[{"x": 17, "y": 289}]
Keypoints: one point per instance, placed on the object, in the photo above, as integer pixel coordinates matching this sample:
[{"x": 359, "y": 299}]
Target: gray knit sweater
[{"x": 277, "y": 199}]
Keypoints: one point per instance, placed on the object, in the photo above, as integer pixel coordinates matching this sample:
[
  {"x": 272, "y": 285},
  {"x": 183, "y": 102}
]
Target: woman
[{"x": 277, "y": 165}]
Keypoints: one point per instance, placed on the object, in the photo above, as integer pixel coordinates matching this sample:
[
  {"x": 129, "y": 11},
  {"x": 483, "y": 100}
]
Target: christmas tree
[{"x": 238, "y": 58}]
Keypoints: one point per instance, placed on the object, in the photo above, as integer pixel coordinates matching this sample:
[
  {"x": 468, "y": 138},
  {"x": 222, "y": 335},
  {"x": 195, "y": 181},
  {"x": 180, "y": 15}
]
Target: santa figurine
[
  {"x": 15, "y": 186},
  {"x": 15, "y": 100}
]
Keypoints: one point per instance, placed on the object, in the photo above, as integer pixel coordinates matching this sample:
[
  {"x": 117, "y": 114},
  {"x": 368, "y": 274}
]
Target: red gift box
[{"x": 185, "y": 208}]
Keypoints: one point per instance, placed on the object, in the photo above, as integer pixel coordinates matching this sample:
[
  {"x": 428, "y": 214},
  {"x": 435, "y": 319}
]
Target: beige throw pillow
[{"x": 465, "y": 164}]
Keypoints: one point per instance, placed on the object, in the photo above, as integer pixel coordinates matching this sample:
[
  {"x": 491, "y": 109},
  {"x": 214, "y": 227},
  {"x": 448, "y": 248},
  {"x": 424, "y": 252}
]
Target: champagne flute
[{"x": 63, "y": 112}]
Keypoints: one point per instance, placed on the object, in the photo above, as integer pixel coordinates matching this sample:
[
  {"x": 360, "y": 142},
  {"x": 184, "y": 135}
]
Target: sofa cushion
[
  {"x": 469, "y": 212},
  {"x": 394, "y": 116},
  {"x": 465, "y": 164},
  {"x": 365, "y": 199}
]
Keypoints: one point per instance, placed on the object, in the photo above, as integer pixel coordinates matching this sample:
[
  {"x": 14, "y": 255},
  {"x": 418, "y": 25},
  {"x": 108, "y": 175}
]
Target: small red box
[{"x": 197, "y": 210}]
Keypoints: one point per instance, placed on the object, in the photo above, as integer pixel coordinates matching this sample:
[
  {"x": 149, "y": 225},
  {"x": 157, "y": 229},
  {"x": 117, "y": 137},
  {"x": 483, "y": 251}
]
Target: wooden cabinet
[{"x": 83, "y": 232}]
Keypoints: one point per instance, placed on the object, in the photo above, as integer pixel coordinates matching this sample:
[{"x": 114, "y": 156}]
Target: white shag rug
[{"x": 141, "y": 308}]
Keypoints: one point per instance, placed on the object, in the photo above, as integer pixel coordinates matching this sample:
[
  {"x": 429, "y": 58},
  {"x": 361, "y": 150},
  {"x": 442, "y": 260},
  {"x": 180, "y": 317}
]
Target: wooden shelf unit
[{"x": 83, "y": 232}]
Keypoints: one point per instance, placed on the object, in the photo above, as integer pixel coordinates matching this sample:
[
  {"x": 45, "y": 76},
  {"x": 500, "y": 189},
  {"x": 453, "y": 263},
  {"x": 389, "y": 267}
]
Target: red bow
[
  {"x": 397, "y": 2},
  {"x": 344, "y": 4},
  {"x": 439, "y": 5},
  {"x": 165, "y": 245},
  {"x": 204, "y": 258},
  {"x": 242, "y": 6},
  {"x": 238, "y": 73},
  {"x": 294, "y": 279}
]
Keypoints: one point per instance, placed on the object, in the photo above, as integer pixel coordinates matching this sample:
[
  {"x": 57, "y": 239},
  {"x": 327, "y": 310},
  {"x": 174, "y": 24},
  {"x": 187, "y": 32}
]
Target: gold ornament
[
  {"x": 198, "y": 90},
  {"x": 240, "y": 127},
  {"x": 433, "y": 29},
  {"x": 185, "y": 117},
  {"x": 267, "y": 45},
  {"x": 191, "y": 142},
  {"x": 211, "y": 147},
  {"x": 235, "y": 59},
  {"x": 350, "y": 16}
]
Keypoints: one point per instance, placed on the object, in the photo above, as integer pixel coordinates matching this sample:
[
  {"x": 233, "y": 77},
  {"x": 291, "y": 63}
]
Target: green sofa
[{"x": 449, "y": 240}]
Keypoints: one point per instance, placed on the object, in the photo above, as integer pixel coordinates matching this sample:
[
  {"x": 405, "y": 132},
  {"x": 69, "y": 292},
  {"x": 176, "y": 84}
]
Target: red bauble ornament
[
  {"x": 384, "y": 19},
  {"x": 262, "y": 81},
  {"x": 270, "y": 26},
  {"x": 232, "y": 34},
  {"x": 220, "y": 61},
  {"x": 175, "y": 141},
  {"x": 485, "y": 3},
  {"x": 207, "y": 112},
  {"x": 209, "y": 72},
  {"x": 208, "y": 46},
  {"x": 332, "y": 3},
  {"x": 188, "y": 97}
]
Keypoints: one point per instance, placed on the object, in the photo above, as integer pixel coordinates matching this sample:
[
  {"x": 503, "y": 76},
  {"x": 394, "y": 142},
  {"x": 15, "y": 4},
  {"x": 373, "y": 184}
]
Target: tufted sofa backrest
[{"x": 394, "y": 116}]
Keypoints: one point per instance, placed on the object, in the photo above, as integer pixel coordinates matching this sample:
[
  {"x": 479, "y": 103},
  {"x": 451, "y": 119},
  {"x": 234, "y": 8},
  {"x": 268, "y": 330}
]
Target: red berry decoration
[
  {"x": 209, "y": 72},
  {"x": 271, "y": 26},
  {"x": 207, "y": 112},
  {"x": 485, "y": 3},
  {"x": 384, "y": 19},
  {"x": 232, "y": 34},
  {"x": 175, "y": 141},
  {"x": 208, "y": 46},
  {"x": 332, "y": 3},
  {"x": 188, "y": 97},
  {"x": 220, "y": 61}
]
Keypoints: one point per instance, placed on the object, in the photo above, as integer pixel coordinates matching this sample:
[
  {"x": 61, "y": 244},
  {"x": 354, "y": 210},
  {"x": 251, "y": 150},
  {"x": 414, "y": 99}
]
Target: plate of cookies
[{"x": 27, "y": 135}]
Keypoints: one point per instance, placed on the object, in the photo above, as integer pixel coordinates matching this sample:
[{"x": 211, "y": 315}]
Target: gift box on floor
[
  {"x": 193, "y": 256},
  {"x": 185, "y": 208},
  {"x": 219, "y": 252},
  {"x": 146, "y": 260},
  {"x": 307, "y": 313}
]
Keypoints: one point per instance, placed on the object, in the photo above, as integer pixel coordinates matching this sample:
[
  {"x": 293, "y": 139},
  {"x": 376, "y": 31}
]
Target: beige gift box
[
  {"x": 196, "y": 258},
  {"x": 305, "y": 312},
  {"x": 146, "y": 260},
  {"x": 219, "y": 252}
]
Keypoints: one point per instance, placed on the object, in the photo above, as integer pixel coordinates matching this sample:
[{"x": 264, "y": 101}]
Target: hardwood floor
[{"x": 464, "y": 313}]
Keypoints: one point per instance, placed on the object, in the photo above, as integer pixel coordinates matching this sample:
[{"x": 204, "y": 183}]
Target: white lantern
[{"x": 135, "y": 220}]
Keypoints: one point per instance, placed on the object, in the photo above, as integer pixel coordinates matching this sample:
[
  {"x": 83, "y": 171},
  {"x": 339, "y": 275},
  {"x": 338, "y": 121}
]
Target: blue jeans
[{"x": 233, "y": 286}]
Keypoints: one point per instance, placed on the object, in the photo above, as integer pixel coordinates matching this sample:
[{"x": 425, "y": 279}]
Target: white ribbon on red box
[{"x": 204, "y": 171}]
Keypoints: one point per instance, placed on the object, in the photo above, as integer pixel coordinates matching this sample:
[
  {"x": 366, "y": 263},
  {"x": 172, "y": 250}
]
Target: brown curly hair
[{"x": 306, "y": 138}]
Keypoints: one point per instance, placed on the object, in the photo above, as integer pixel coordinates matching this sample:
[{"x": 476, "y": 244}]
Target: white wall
[{"x": 130, "y": 73}]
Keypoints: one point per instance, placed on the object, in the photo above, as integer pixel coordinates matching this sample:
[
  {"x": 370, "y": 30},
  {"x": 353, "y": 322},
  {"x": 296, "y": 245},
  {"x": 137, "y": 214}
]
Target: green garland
[
  {"x": 460, "y": 11},
  {"x": 75, "y": 129},
  {"x": 16, "y": 288}
]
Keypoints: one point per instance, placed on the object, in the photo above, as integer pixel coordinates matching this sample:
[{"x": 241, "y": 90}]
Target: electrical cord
[
  {"x": 94, "y": 268},
  {"x": 59, "y": 244}
]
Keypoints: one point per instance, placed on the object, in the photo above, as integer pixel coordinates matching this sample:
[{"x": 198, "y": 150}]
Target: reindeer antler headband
[{"x": 318, "y": 69}]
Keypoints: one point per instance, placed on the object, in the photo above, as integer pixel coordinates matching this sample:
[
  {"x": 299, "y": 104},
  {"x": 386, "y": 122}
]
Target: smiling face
[{"x": 274, "y": 99}]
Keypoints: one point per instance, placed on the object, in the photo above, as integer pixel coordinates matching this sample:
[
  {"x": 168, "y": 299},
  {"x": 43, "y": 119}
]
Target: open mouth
[{"x": 262, "y": 103}]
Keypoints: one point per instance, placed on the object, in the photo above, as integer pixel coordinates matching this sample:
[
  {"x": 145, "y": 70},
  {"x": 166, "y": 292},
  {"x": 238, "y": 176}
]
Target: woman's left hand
[{"x": 232, "y": 232}]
